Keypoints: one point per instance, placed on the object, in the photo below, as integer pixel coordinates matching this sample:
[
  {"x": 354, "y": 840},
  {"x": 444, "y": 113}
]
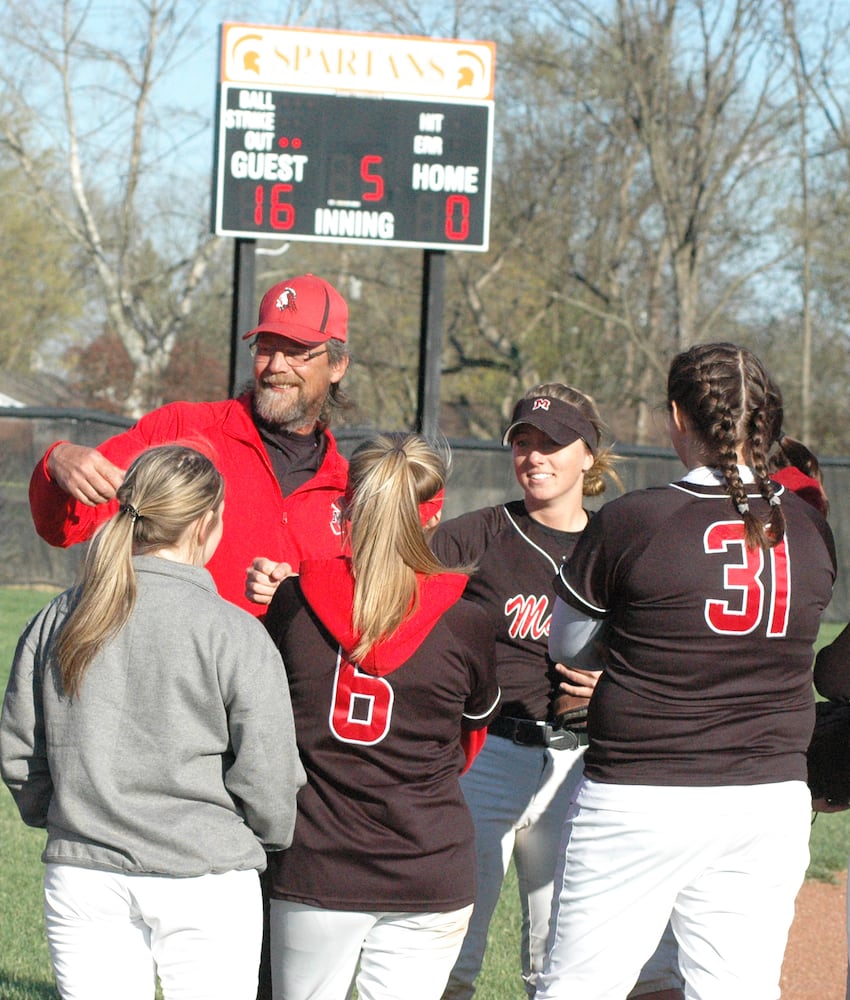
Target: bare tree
[
  {"x": 701, "y": 83},
  {"x": 639, "y": 156},
  {"x": 87, "y": 98},
  {"x": 645, "y": 190},
  {"x": 824, "y": 75},
  {"x": 638, "y": 204},
  {"x": 818, "y": 50},
  {"x": 789, "y": 19}
]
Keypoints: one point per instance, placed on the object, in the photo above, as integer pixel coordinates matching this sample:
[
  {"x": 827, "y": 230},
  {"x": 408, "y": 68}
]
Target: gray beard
[{"x": 291, "y": 415}]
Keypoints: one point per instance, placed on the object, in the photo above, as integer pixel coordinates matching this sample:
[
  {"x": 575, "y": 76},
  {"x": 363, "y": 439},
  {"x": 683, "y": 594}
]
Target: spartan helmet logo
[
  {"x": 286, "y": 299},
  {"x": 540, "y": 404}
]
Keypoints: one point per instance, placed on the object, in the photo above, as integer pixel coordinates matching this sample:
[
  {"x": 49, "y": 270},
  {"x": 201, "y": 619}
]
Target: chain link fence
[{"x": 481, "y": 475}]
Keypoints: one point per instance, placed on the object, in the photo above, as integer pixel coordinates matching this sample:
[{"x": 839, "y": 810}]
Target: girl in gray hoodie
[{"x": 147, "y": 726}]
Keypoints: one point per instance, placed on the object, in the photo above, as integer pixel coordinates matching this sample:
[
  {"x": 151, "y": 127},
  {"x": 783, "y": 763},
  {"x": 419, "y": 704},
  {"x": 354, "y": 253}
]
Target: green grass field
[{"x": 25, "y": 972}]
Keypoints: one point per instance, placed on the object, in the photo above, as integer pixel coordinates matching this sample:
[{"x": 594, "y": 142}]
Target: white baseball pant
[
  {"x": 315, "y": 952},
  {"x": 110, "y": 933},
  {"x": 727, "y": 862},
  {"x": 519, "y": 797}
]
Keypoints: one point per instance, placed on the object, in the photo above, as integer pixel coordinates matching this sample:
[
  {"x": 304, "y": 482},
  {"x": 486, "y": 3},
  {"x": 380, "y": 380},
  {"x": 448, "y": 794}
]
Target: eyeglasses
[{"x": 294, "y": 357}]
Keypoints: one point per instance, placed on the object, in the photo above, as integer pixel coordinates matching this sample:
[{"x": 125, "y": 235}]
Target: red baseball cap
[{"x": 305, "y": 309}]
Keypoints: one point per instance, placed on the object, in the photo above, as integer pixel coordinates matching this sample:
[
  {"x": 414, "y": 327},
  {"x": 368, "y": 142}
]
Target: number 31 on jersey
[{"x": 743, "y": 577}]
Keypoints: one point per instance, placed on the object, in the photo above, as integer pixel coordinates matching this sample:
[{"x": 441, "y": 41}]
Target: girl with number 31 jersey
[{"x": 694, "y": 798}]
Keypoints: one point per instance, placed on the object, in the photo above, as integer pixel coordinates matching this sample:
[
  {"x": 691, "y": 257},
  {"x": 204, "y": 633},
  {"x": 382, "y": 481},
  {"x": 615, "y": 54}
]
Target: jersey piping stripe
[
  {"x": 717, "y": 496},
  {"x": 579, "y": 598},
  {"x": 525, "y": 537},
  {"x": 484, "y": 715}
]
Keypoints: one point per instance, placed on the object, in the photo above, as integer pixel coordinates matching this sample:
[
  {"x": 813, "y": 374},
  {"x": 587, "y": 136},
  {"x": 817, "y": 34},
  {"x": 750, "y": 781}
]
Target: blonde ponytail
[
  {"x": 165, "y": 490},
  {"x": 389, "y": 476}
]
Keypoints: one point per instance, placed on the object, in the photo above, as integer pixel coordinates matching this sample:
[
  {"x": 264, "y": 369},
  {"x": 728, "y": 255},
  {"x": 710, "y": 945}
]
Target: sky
[{"x": 192, "y": 83}]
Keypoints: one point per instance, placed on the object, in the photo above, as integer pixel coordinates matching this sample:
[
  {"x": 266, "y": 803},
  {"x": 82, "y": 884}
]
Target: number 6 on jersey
[{"x": 362, "y": 705}]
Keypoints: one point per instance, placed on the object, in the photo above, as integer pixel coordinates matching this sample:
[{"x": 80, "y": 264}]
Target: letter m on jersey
[{"x": 529, "y": 616}]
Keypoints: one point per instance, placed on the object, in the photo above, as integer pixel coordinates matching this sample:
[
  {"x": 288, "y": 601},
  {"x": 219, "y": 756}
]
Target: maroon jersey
[
  {"x": 516, "y": 559},
  {"x": 382, "y": 823},
  {"x": 708, "y": 678}
]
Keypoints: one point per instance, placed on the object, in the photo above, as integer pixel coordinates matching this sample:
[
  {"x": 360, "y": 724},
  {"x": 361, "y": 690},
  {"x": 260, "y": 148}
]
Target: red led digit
[
  {"x": 281, "y": 213},
  {"x": 370, "y": 178},
  {"x": 258, "y": 205},
  {"x": 461, "y": 202}
]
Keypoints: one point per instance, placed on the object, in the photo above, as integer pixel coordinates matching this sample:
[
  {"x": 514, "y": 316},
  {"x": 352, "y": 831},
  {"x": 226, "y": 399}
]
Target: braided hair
[
  {"x": 791, "y": 452},
  {"x": 733, "y": 403}
]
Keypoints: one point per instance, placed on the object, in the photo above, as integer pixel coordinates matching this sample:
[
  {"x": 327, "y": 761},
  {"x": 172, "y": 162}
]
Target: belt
[{"x": 528, "y": 733}]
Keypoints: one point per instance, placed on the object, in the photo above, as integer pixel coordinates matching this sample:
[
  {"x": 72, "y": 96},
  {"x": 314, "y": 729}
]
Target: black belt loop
[{"x": 528, "y": 733}]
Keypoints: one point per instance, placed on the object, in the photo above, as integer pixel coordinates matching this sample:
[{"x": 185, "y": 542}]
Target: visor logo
[{"x": 540, "y": 404}]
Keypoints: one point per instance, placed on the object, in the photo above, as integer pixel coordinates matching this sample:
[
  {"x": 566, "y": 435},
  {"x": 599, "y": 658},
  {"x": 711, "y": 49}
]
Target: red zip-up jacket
[{"x": 258, "y": 520}]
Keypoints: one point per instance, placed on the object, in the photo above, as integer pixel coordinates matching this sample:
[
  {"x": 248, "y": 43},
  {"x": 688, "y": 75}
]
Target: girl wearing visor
[
  {"x": 391, "y": 673},
  {"x": 522, "y": 781}
]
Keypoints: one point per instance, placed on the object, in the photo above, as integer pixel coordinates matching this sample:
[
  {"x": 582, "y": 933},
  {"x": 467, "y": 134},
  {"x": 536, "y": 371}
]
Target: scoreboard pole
[
  {"x": 242, "y": 316},
  {"x": 431, "y": 343}
]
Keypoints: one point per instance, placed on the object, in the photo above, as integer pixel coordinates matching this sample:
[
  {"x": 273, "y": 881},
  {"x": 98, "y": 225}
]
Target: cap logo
[
  {"x": 286, "y": 298},
  {"x": 540, "y": 404}
]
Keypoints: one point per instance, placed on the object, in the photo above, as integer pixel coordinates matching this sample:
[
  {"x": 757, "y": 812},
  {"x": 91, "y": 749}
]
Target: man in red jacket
[{"x": 284, "y": 475}]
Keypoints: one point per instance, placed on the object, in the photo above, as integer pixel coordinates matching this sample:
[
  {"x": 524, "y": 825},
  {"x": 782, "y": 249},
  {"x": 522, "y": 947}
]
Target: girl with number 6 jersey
[
  {"x": 391, "y": 675},
  {"x": 694, "y": 799}
]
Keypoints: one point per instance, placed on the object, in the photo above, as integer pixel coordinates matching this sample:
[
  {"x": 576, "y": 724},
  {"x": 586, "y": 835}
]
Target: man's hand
[
  {"x": 84, "y": 473},
  {"x": 263, "y": 577}
]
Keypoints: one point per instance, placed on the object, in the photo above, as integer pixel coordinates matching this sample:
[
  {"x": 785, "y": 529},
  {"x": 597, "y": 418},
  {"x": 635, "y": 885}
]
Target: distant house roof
[{"x": 33, "y": 389}]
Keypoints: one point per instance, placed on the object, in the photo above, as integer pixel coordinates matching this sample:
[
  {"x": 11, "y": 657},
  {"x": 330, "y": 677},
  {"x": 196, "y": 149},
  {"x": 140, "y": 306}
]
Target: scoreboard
[{"x": 409, "y": 170}]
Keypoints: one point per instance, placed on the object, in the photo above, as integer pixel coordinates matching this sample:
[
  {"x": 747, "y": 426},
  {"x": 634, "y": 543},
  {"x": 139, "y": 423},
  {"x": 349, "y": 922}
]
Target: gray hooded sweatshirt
[{"x": 178, "y": 757}]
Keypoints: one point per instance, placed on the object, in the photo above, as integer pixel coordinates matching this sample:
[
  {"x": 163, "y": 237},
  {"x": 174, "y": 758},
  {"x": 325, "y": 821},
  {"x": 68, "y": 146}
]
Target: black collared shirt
[{"x": 295, "y": 458}]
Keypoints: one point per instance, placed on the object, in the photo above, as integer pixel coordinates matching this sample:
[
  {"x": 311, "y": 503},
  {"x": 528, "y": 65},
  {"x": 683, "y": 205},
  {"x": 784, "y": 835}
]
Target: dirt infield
[{"x": 815, "y": 964}]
